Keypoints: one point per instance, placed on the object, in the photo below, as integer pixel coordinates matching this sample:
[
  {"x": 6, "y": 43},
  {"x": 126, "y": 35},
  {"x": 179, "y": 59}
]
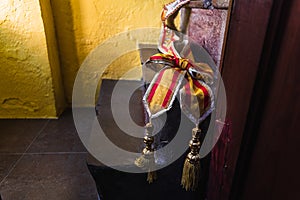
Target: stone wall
[
  {"x": 30, "y": 81},
  {"x": 43, "y": 43}
]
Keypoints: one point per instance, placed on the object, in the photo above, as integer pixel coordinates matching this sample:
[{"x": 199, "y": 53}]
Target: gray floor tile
[
  {"x": 17, "y": 135},
  {"x": 6, "y": 164},
  {"x": 59, "y": 177},
  {"x": 58, "y": 136}
]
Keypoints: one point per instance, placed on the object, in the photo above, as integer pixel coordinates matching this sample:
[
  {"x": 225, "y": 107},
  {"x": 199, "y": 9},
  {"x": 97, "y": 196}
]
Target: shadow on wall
[
  {"x": 81, "y": 25},
  {"x": 30, "y": 78},
  {"x": 67, "y": 43}
]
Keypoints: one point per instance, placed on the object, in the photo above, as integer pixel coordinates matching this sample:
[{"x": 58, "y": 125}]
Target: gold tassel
[
  {"x": 152, "y": 176},
  {"x": 147, "y": 160},
  {"x": 191, "y": 168}
]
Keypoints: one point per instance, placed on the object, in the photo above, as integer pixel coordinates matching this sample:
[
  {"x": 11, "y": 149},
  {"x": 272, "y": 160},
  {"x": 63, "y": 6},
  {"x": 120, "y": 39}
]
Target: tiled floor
[{"x": 43, "y": 159}]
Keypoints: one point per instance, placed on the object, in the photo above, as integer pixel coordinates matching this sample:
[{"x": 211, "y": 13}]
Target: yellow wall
[
  {"x": 82, "y": 25},
  {"x": 43, "y": 43},
  {"x": 30, "y": 83}
]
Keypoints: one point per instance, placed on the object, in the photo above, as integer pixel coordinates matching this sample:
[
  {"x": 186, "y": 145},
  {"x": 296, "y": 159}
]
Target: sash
[{"x": 178, "y": 73}]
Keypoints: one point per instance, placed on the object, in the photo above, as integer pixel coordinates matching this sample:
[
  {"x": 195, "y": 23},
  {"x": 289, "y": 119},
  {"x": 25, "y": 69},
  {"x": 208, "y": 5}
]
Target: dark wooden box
[{"x": 115, "y": 185}]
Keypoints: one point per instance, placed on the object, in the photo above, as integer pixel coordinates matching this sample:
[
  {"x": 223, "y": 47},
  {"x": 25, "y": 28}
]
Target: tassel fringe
[
  {"x": 152, "y": 176},
  {"x": 147, "y": 161},
  {"x": 190, "y": 175},
  {"x": 143, "y": 161},
  {"x": 191, "y": 168}
]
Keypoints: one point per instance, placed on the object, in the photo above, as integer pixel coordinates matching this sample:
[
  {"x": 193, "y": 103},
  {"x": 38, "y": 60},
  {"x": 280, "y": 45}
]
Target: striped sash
[{"x": 178, "y": 74}]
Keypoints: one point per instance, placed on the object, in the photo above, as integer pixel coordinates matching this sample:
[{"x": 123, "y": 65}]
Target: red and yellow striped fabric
[{"x": 195, "y": 95}]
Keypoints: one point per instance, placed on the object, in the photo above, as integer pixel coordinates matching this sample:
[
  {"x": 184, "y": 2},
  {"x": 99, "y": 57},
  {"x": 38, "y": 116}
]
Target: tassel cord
[{"x": 147, "y": 159}]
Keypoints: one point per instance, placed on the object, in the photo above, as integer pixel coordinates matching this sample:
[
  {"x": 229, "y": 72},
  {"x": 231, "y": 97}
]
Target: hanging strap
[{"x": 177, "y": 73}]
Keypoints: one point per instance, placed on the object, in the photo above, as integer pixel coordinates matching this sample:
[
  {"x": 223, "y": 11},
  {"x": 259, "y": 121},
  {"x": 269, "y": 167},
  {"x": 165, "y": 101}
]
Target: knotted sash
[{"x": 178, "y": 74}]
